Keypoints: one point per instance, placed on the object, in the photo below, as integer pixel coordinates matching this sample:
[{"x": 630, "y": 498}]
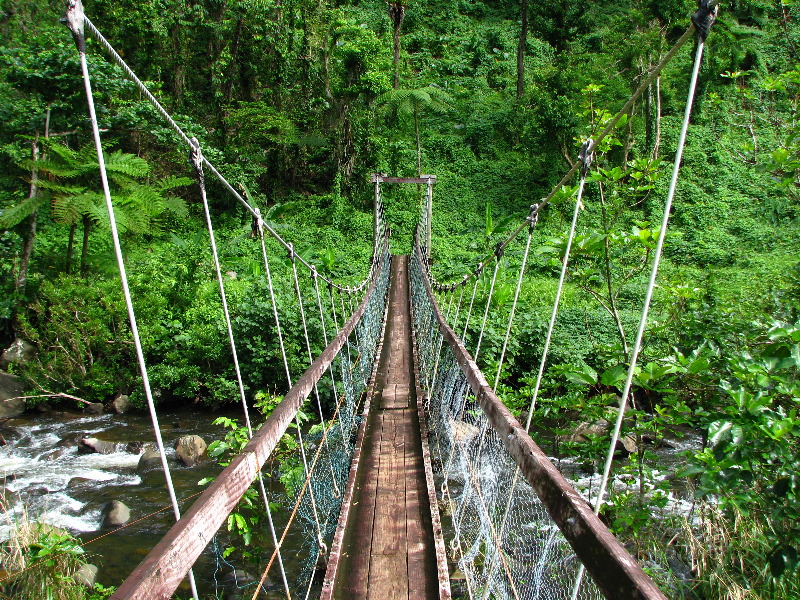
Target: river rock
[
  {"x": 190, "y": 449},
  {"x": 115, "y": 514},
  {"x": 93, "y": 408},
  {"x": 18, "y": 353},
  {"x": 626, "y": 445},
  {"x": 463, "y": 433},
  {"x": 93, "y": 445},
  {"x": 53, "y": 454},
  {"x": 148, "y": 461},
  {"x": 139, "y": 447},
  {"x": 121, "y": 404},
  {"x": 71, "y": 439},
  {"x": 86, "y": 575},
  {"x": 10, "y": 390}
]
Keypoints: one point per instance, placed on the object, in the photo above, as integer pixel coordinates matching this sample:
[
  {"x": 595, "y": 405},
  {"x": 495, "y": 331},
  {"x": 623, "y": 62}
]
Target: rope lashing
[
  {"x": 196, "y": 160},
  {"x": 74, "y": 20},
  {"x": 585, "y": 158},
  {"x": 705, "y": 17}
]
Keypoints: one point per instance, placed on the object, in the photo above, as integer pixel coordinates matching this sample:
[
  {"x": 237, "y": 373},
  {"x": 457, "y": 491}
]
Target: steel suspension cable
[
  {"x": 175, "y": 127},
  {"x": 600, "y": 136},
  {"x": 75, "y": 20}
]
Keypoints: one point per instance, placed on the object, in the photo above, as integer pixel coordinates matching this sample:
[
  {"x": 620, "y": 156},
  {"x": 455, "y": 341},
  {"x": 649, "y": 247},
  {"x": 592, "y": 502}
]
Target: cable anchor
[
  {"x": 499, "y": 250},
  {"x": 704, "y": 18},
  {"x": 533, "y": 217},
  {"x": 586, "y": 156},
  {"x": 74, "y": 19}
]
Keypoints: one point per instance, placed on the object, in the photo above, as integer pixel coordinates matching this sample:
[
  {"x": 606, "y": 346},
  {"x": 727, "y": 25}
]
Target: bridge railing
[
  {"x": 518, "y": 528},
  {"x": 309, "y": 515}
]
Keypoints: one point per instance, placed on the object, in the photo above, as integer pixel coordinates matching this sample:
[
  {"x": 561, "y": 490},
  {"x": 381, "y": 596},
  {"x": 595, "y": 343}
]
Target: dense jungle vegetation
[{"x": 298, "y": 101}]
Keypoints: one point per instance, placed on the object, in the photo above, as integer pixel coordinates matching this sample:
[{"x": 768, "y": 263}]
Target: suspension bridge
[{"x": 421, "y": 483}]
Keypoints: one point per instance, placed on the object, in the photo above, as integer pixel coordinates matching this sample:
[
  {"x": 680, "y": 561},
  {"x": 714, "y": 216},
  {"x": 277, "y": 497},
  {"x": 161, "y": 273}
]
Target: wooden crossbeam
[{"x": 377, "y": 177}]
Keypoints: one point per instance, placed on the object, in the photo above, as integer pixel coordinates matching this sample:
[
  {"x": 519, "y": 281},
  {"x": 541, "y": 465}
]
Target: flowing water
[{"x": 44, "y": 474}]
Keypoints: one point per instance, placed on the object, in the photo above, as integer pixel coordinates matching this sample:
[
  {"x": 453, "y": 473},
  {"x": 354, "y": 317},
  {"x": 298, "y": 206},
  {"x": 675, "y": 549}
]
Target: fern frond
[{"x": 14, "y": 215}]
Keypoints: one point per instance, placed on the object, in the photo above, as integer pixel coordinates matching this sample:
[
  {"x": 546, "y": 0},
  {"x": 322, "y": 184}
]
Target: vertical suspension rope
[
  {"x": 320, "y": 539},
  {"x": 498, "y": 256},
  {"x": 703, "y": 19},
  {"x": 196, "y": 158},
  {"x": 533, "y": 218},
  {"x": 270, "y": 520},
  {"x": 75, "y": 20},
  {"x": 472, "y": 301},
  {"x": 585, "y": 157}
]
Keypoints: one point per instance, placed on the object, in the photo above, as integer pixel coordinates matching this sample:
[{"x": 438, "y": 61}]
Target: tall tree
[
  {"x": 397, "y": 13},
  {"x": 523, "y": 42},
  {"x": 403, "y": 103}
]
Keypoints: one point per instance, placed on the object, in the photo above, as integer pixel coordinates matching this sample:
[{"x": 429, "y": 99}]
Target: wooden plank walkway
[{"x": 388, "y": 550}]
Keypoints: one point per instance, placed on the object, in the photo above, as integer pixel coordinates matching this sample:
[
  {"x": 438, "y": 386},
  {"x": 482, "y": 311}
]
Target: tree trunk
[
  {"x": 419, "y": 145},
  {"x": 397, "y": 13},
  {"x": 87, "y": 224},
  {"x": 70, "y": 247},
  {"x": 523, "y": 42},
  {"x": 29, "y": 235},
  {"x": 657, "y": 142}
]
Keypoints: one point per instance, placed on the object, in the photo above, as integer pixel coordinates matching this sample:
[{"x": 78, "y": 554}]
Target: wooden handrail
[
  {"x": 163, "y": 569},
  {"x": 613, "y": 569}
]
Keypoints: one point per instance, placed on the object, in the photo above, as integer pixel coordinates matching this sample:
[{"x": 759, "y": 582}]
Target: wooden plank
[
  {"x": 613, "y": 569},
  {"x": 163, "y": 569},
  {"x": 355, "y": 583},
  {"x": 388, "y": 572},
  {"x": 420, "y": 582},
  {"x": 338, "y": 553}
]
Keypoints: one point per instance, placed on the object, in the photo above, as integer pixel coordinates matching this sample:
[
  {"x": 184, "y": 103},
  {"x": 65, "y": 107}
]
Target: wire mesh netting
[
  {"x": 500, "y": 535},
  {"x": 319, "y": 503}
]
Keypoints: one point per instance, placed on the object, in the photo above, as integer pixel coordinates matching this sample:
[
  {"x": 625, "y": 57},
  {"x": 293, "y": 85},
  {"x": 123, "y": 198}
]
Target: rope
[
  {"x": 585, "y": 159},
  {"x": 310, "y": 362},
  {"x": 532, "y": 218},
  {"x": 708, "y": 18},
  {"x": 499, "y": 255},
  {"x": 74, "y": 14},
  {"x": 471, "y": 303}
]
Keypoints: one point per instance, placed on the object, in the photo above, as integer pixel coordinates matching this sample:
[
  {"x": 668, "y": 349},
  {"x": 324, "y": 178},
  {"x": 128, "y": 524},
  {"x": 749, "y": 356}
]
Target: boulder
[
  {"x": 93, "y": 408},
  {"x": 463, "y": 433},
  {"x": 121, "y": 404},
  {"x": 149, "y": 461},
  {"x": 626, "y": 445},
  {"x": 18, "y": 353},
  {"x": 10, "y": 390},
  {"x": 93, "y": 445},
  {"x": 190, "y": 449},
  {"x": 86, "y": 575},
  {"x": 115, "y": 514},
  {"x": 138, "y": 447}
]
